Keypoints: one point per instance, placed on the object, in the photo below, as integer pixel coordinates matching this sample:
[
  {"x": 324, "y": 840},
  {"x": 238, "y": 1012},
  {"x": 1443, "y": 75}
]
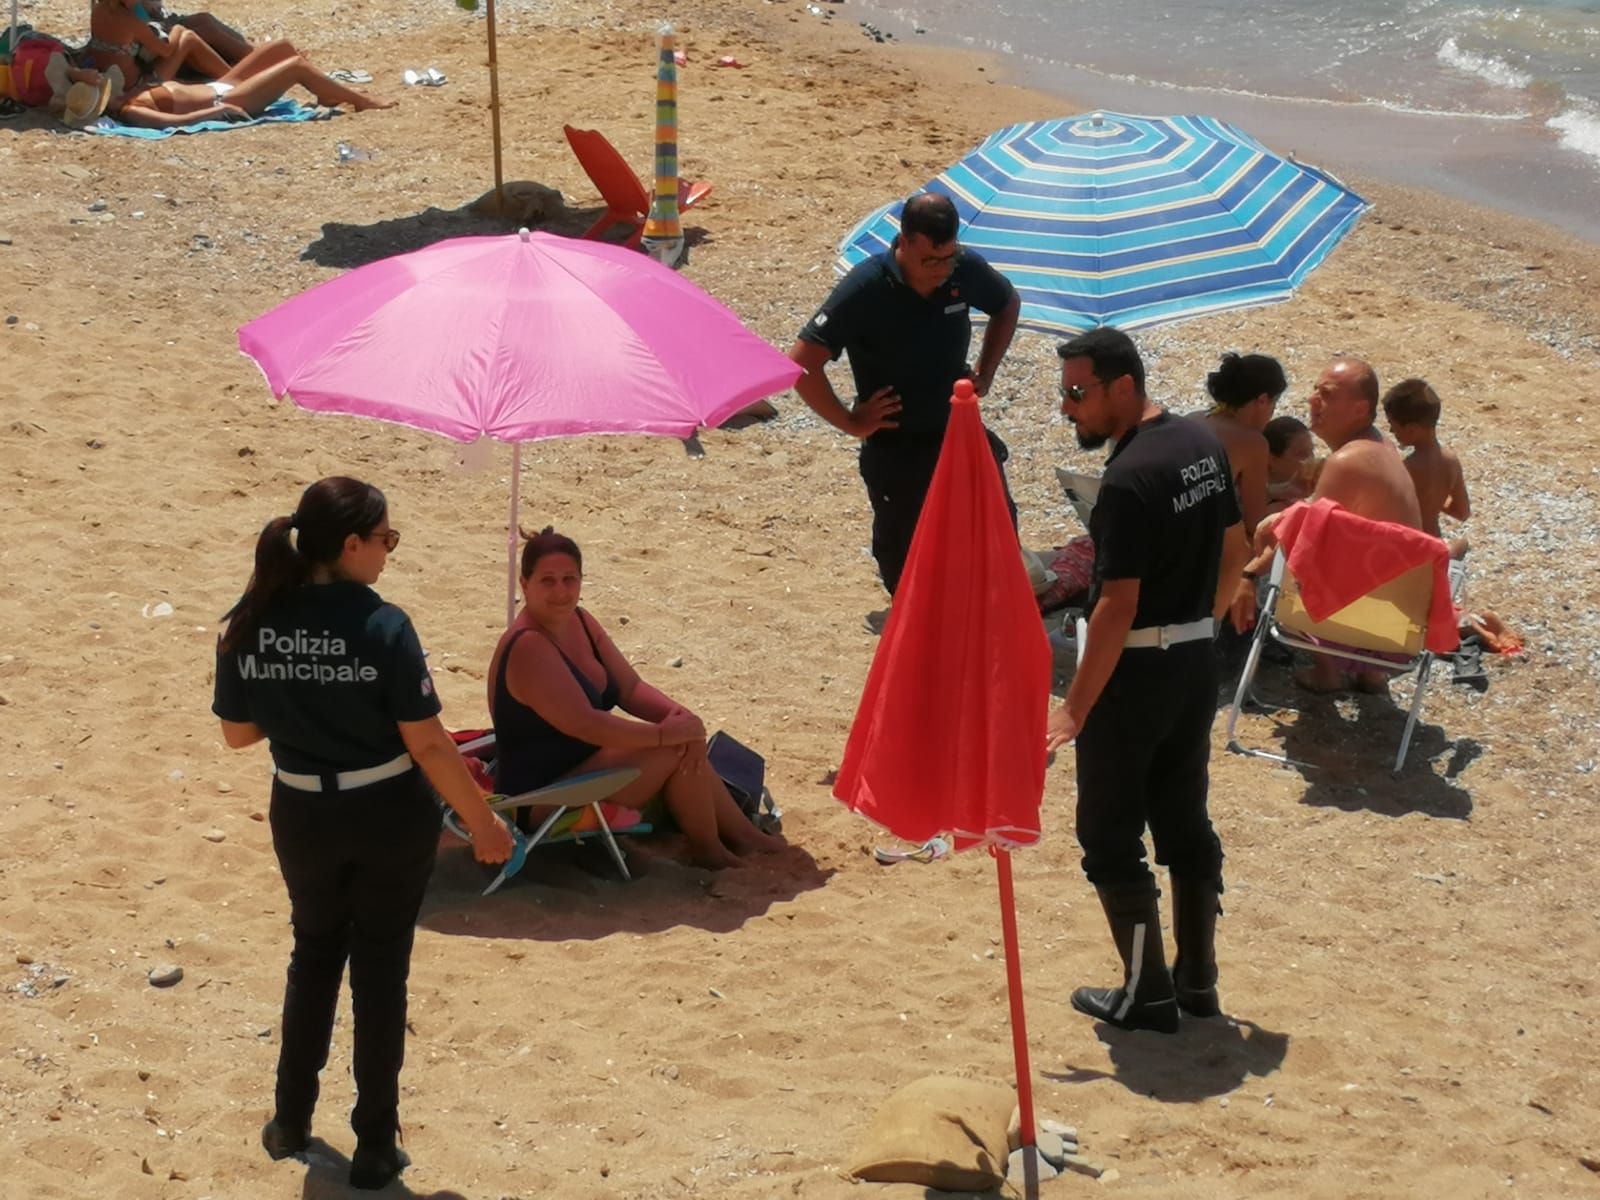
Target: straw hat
[{"x": 84, "y": 102}]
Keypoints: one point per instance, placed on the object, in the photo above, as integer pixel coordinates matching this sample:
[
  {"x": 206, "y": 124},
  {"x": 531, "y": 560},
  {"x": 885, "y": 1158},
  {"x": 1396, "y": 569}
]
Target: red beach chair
[{"x": 627, "y": 200}]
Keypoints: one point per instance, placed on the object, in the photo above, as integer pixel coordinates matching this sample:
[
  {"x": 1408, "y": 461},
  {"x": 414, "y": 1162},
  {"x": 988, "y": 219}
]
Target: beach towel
[
  {"x": 1337, "y": 557},
  {"x": 278, "y": 112}
]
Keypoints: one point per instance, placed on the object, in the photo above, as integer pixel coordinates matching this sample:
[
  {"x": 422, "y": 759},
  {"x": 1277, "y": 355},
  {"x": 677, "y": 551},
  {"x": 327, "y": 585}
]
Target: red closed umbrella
[{"x": 950, "y": 734}]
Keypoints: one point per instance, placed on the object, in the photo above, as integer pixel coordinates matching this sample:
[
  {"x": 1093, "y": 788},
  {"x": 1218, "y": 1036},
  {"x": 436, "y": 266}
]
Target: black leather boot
[
  {"x": 1146, "y": 999},
  {"x": 373, "y": 1165},
  {"x": 281, "y": 1138},
  {"x": 1196, "y": 904}
]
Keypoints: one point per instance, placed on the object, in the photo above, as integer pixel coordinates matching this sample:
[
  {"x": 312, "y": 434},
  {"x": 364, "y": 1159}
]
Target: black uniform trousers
[
  {"x": 897, "y": 469},
  {"x": 1143, "y": 759},
  {"x": 356, "y": 864}
]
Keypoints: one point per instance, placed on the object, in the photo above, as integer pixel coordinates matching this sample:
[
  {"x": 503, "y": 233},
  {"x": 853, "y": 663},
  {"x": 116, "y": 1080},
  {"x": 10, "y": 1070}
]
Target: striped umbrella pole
[{"x": 663, "y": 234}]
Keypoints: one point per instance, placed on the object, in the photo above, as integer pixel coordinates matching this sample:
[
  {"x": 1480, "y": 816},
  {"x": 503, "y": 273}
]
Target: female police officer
[{"x": 315, "y": 662}]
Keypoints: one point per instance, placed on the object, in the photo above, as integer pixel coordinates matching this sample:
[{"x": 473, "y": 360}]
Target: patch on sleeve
[
  {"x": 427, "y": 685},
  {"x": 819, "y": 319}
]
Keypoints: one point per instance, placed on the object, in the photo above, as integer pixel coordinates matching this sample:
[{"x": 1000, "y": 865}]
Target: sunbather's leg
[
  {"x": 256, "y": 92},
  {"x": 190, "y": 51},
  {"x": 685, "y": 782},
  {"x": 733, "y": 826},
  {"x": 221, "y": 38},
  {"x": 1323, "y": 675},
  {"x": 263, "y": 56}
]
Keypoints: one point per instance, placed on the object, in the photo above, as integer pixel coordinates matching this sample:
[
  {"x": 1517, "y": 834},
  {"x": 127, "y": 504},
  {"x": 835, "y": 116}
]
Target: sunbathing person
[
  {"x": 220, "y": 36},
  {"x": 1412, "y": 408},
  {"x": 118, "y": 37},
  {"x": 553, "y": 681},
  {"x": 1245, "y": 390},
  {"x": 1363, "y": 473},
  {"x": 243, "y": 91},
  {"x": 1291, "y": 462}
]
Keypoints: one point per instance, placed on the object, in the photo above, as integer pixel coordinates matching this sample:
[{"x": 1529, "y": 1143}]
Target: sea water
[{"x": 1498, "y": 104}]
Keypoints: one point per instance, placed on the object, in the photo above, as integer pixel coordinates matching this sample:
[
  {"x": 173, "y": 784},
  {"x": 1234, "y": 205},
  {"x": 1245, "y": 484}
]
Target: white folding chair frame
[
  {"x": 1267, "y": 625},
  {"x": 577, "y": 791}
]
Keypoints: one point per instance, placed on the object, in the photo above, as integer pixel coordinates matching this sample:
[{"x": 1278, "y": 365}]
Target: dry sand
[{"x": 1411, "y": 964}]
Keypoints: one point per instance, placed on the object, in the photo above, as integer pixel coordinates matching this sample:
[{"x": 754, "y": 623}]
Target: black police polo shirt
[
  {"x": 1165, "y": 500},
  {"x": 327, "y": 675},
  {"x": 895, "y": 338}
]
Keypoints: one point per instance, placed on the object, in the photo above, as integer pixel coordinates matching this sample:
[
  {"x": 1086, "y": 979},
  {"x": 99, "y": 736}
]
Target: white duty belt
[
  {"x": 345, "y": 781},
  {"x": 1159, "y": 637}
]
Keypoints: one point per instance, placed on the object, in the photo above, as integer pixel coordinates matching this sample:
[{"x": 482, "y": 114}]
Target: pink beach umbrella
[{"x": 517, "y": 338}]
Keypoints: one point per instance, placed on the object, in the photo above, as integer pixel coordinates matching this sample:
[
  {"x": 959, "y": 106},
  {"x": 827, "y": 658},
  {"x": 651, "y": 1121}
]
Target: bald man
[{"x": 1363, "y": 473}]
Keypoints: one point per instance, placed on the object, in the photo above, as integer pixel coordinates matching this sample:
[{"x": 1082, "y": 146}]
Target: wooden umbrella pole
[
  {"x": 1019, "y": 1024},
  {"x": 494, "y": 113}
]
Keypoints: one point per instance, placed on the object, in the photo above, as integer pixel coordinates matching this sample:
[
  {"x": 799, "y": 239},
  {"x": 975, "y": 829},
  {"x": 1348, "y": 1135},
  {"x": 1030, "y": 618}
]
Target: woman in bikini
[
  {"x": 553, "y": 681},
  {"x": 119, "y": 37},
  {"x": 239, "y": 93}
]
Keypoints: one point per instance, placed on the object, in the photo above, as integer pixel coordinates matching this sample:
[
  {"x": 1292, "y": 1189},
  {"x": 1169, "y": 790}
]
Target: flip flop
[
  {"x": 435, "y": 77},
  {"x": 343, "y": 76}
]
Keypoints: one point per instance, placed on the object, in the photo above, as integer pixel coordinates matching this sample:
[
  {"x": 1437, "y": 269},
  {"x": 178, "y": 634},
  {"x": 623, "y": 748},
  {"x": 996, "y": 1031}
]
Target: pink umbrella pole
[
  {"x": 1019, "y": 1023},
  {"x": 511, "y": 535}
]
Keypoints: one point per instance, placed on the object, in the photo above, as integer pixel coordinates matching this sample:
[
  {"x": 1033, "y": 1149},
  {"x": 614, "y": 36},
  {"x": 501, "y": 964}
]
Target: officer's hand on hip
[
  {"x": 875, "y": 413},
  {"x": 1060, "y": 729}
]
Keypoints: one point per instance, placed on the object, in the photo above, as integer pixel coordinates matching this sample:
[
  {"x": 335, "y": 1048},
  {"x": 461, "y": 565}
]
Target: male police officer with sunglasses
[
  {"x": 905, "y": 319},
  {"x": 1168, "y": 548}
]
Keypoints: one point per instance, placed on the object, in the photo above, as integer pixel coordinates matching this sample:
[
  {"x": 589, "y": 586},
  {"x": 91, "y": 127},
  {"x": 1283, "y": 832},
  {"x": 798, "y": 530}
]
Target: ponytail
[{"x": 289, "y": 547}]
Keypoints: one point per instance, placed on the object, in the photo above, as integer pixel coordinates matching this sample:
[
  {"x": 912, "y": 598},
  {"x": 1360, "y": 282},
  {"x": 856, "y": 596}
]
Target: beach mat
[{"x": 279, "y": 112}]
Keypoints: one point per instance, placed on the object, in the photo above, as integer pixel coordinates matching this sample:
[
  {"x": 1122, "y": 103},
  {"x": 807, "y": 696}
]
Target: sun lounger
[{"x": 626, "y": 198}]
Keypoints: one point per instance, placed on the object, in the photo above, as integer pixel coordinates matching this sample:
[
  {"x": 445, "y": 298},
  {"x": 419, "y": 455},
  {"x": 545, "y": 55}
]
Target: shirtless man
[
  {"x": 244, "y": 91},
  {"x": 1363, "y": 473}
]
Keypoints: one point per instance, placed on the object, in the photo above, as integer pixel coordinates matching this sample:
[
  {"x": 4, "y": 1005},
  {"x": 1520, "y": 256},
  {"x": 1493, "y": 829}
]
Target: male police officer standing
[
  {"x": 905, "y": 318},
  {"x": 1169, "y": 546}
]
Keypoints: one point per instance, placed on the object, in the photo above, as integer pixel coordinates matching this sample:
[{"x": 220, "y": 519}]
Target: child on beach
[
  {"x": 1412, "y": 408},
  {"x": 1291, "y": 466}
]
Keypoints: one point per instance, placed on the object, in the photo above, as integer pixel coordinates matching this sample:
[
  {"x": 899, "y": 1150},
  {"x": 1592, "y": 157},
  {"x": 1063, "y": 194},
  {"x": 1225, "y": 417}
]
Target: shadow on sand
[
  {"x": 567, "y": 892},
  {"x": 327, "y": 1177},
  {"x": 1203, "y": 1059},
  {"x": 1344, "y": 746},
  {"x": 530, "y": 205}
]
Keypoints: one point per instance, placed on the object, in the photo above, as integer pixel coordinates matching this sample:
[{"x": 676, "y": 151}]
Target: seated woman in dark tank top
[{"x": 554, "y": 683}]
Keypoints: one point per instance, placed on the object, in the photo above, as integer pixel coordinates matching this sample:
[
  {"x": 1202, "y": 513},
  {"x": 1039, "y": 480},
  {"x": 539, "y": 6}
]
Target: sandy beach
[{"x": 1410, "y": 964}]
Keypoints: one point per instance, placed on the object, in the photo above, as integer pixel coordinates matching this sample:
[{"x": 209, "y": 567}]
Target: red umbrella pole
[{"x": 1019, "y": 1023}]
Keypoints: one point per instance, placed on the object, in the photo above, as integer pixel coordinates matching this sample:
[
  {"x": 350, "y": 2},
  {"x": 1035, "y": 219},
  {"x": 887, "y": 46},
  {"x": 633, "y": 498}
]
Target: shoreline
[{"x": 1473, "y": 158}]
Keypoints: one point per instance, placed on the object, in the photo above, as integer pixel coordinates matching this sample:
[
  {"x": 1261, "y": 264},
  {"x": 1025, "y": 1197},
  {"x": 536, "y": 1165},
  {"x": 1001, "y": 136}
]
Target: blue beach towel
[{"x": 279, "y": 111}]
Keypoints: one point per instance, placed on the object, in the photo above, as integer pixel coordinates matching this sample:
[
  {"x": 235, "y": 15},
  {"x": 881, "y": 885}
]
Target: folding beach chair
[
  {"x": 576, "y": 803},
  {"x": 1385, "y": 628},
  {"x": 626, "y": 198},
  {"x": 1081, "y": 491}
]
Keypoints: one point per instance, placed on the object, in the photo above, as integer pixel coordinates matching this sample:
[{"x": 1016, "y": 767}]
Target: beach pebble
[
  {"x": 1050, "y": 1147},
  {"x": 1065, "y": 1132},
  {"x": 72, "y": 171},
  {"x": 165, "y": 975},
  {"x": 24, "y": 959},
  {"x": 677, "y": 662},
  {"x": 214, "y": 835},
  {"x": 1028, "y": 1163},
  {"x": 224, "y": 788},
  {"x": 98, "y": 206},
  {"x": 5, "y": 239}
]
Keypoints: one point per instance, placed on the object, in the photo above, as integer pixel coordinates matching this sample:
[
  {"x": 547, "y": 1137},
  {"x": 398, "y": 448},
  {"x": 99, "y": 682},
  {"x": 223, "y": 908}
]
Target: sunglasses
[
  {"x": 1078, "y": 395},
  {"x": 932, "y": 262},
  {"x": 391, "y": 539}
]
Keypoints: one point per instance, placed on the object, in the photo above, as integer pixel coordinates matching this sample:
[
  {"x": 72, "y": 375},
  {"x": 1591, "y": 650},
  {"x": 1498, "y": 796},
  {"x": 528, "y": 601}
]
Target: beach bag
[
  {"x": 28, "y": 82},
  {"x": 744, "y": 773}
]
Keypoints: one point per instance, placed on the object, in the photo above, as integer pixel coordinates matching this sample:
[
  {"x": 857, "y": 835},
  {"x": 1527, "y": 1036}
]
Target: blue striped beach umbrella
[{"x": 1107, "y": 219}]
